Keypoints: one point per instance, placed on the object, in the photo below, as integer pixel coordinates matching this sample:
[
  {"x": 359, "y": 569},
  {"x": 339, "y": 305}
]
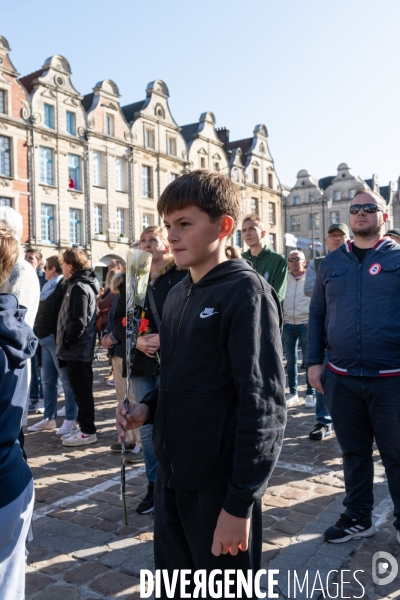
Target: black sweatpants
[
  {"x": 184, "y": 525},
  {"x": 80, "y": 375}
]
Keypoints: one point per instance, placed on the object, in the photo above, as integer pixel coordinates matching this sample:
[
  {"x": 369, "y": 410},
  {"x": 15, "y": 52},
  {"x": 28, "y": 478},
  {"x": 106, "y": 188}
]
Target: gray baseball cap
[{"x": 342, "y": 226}]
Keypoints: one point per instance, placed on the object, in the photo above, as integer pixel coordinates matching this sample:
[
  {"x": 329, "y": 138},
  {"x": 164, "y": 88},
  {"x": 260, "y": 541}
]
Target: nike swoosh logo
[{"x": 204, "y": 316}]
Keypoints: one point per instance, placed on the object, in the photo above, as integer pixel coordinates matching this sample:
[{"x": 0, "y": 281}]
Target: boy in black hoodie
[
  {"x": 17, "y": 345},
  {"x": 219, "y": 413}
]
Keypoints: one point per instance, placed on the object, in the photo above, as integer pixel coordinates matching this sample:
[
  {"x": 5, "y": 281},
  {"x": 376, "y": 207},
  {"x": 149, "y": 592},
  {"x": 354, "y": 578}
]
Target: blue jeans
[
  {"x": 141, "y": 386},
  {"x": 35, "y": 390},
  {"x": 321, "y": 413},
  {"x": 292, "y": 335},
  {"x": 364, "y": 408},
  {"x": 50, "y": 373}
]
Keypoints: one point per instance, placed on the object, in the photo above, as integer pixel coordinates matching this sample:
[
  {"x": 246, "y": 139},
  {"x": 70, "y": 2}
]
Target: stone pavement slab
[{"x": 83, "y": 551}]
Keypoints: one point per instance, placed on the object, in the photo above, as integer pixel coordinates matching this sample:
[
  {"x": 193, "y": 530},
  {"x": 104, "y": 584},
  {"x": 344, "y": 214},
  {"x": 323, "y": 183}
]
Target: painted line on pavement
[
  {"x": 101, "y": 487},
  {"x": 303, "y": 468}
]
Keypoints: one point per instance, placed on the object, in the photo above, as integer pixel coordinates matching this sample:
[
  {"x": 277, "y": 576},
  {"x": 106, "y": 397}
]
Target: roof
[
  {"x": 370, "y": 183},
  {"x": 130, "y": 109},
  {"x": 244, "y": 145},
  {"x": 324, "y": 182},
  {"x": 27, "y": 80},
  {"x": 188, "y": 131},
  {"x": 87, "y": 101}
]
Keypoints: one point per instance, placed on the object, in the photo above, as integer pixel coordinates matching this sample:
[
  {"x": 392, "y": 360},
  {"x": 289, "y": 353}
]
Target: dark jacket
[
  {"x": 119, "y": 347},
  {"x": 220, "y": 412},
  {"x": 169, "y": 275},
  {"x": 76, "y": 328},
  {"x": 17, "y": 344},
  {"x": 273, "y": 267},
  {"x": 355, "y": 312},
  {"x": 47, "y": 315}
]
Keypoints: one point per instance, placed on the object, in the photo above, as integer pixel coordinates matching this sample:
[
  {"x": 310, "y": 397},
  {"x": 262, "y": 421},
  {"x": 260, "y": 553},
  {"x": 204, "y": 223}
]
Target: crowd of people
[{"x": 207, "y": 396}]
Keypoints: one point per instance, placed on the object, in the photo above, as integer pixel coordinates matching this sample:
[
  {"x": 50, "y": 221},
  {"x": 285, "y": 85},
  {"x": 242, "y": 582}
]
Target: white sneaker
[
  {"x": 61, "y": 412},
  {"x": 40, "y": 407},
  {"x": 310, "y": 401},
  {"x": 43, "y": 425},
  {"x": 80, "y": 439},
  {"x": 65, "y": 436},
  {"x": 68, "y": 427},
  {"x": 292, "y": 399},
  {"x": 111, "y": 383},
  {"x": 60, "y": 392},
  {"x": 398, "y": 536}
]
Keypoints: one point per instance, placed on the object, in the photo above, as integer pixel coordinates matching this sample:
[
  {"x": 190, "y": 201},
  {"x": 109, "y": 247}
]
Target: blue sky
[{"x": 322, "y": 75}]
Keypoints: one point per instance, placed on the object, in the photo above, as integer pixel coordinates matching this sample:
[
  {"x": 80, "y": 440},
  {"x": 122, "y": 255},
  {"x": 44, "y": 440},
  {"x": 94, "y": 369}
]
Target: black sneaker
[
  {"x": 347, "y": 528},
  {"x": 147, "y": 504},
  {"x": 117, "y": 447},
  {"x": 320, "y": 431}
]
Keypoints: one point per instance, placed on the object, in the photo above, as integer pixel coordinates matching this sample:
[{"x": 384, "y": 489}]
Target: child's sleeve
[{"x": 255, "y": 352}]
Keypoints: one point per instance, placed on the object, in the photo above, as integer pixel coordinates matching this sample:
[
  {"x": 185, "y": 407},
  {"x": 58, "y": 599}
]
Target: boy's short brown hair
[
  {"x": 55, "y": 261},
  {"x": 9, "y": 251},
  {"x": 256, "y": 219},
  {"x": 77, "y": 258},
  {"x": 210, "y": 191}
]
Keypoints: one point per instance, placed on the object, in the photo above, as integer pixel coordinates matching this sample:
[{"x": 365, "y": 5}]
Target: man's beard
[{"x": 367, "y": 231}]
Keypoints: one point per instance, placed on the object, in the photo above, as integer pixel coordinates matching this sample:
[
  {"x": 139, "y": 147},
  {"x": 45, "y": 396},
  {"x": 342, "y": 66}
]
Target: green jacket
[{"x": 273, "y": 267}]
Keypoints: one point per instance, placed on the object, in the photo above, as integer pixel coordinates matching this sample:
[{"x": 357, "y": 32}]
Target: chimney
[{"x": 223, "y": 134}]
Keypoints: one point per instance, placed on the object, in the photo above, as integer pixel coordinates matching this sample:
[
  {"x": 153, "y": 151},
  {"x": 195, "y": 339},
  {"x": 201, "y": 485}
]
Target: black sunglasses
[
  {"x": 367, "y": 208},
  {"x": 297, "y": 259}
]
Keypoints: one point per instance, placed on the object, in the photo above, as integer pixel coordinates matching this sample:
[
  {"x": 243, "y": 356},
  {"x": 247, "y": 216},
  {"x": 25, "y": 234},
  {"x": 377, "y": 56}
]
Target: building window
[
  {"x": 271, "y": 213},
  {"x": 5, "y": 202},
  {"x": 120, "y": 174},
  {"x": 172, "y": 177},
  {"x": 270, "y": 181},
  {"x": 47, "y": 221},
  {"x": 294, "y": 222},
  {"x": 172, "y": 146},
  {"x": 75, "y": 226},
  {"x": 147, "y": 182},
  {"x": 313, "y": 221},
  {"x": 49, "y": 116},
  {"x": 121, "y": 221},
  {"x": 352, "y": 193},
  {"x": 216, "y": 166},
  {"x": 74, "y": 171},
  {"x": 109, "y": 125},
  {"x": 97, "y": 169},
  {"x": 149, "y": 138},
  {"x": 255, "y": 176},
  {"x": 238, "y": 238},
  {"x": 5, "y": 162},
  {"x": 98, "y": 218},
  {"x": 310, "y": 198},
  {"x": 254, "y": 206},
  {"x": 70, "y": 122},
  {"x": 2, "y": 101},
  {"x": 272, "y": 241},
  {"x": 296, "y": 200},
  {"x": 46, "y": 166},
  {"x": 147, "y": 221},
  {"x": 336, "y": 195},
  {"x": 334, "y": 217},
  {"x": 202, "y": 162}
]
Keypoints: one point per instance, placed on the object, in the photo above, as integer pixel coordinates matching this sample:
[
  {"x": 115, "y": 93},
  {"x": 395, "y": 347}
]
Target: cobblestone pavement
[{"x": 82, "y": 551}]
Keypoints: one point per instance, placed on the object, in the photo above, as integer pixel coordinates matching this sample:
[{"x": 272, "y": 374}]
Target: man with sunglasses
[{"x": 354, "y": 313}]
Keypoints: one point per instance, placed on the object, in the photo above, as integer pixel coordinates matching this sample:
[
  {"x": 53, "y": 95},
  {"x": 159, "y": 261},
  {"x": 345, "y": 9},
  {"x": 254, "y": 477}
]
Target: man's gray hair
[{"x": 13, "y": 219}]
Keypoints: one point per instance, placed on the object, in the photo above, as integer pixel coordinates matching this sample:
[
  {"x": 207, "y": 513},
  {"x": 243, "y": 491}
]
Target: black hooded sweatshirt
[{"x": 220, "y": 412}]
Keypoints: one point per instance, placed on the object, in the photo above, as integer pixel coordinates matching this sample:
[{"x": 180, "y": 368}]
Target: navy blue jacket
[
  {"x": 355, "y": 312},
  {"x": 17, "y": 344}
]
